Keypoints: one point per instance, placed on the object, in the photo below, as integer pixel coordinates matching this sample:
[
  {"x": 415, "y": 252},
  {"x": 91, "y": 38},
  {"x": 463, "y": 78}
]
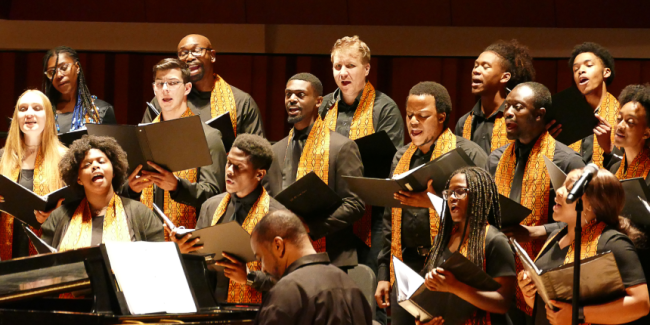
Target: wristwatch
[
  {"x": 250, "y": 277},
  {"x": 581, "y": 314}
]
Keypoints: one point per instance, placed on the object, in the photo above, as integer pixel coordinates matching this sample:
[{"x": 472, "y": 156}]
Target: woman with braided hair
[
  {"x": 471, "y": 225},
  {"x": 65, "y": 85}
]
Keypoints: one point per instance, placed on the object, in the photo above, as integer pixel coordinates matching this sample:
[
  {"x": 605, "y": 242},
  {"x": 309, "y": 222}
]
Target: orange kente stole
[
  {"x": 222, "y": 100},
  {"x": 7, "y": 221},
  {"x": 639, "y": 167},
  {"x": 591, "y": 233},
  {"x": 241, "y": 293},
  {"x": 499, "y": 137},
  {"x": 180, "y": 214},
  {"x": 534, "y": 192},
  {"x": 80, "y": 230},
  {"x": 361, "y": 126},
  {"x": 446, "y": 142},
  {"x": 609, "y": 108},
  {"x": 315, "y": 158}
]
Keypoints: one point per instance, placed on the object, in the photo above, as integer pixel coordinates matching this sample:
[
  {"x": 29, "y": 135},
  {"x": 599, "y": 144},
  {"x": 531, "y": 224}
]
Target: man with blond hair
[{"x": 356, "y": 110}]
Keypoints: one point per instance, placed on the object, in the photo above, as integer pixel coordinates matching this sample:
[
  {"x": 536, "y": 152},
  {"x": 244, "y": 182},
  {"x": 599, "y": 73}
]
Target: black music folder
[
  {"x": 69, "y": 137},
  {"x": 636, "y": 194},
  {"x": 223, "y": 124},
  {"x": 570, "y": 108},
  {"x": 175, "y": 145},
  {"x": 600, "y": 280},
  {"x": 425, "y": 304},
  {"x": 379, "y": 191},
  {"x": 377, "y": 152},
  {"x": 512, "y": 213},
  {"x": 309, "y": 198},
  {"x": 41, "y": 246},
  {"x": 21, "y": 202},
  {"x": 557, "y": 175}
]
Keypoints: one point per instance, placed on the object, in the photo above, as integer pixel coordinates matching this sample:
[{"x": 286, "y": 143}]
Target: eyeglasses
[
  {"x": 196, "y": 52},
  {"x": 458, "y": 194},
  {"x": 63, "y": 68},
  {"x": 172, "y": 84}
]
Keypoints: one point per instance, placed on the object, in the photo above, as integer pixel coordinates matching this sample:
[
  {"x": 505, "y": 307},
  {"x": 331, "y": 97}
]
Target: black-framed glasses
[
  {"x": 458, "y": 194},
  {"x": 196, "y": 52},
  {"x": 63, "y": 68}
]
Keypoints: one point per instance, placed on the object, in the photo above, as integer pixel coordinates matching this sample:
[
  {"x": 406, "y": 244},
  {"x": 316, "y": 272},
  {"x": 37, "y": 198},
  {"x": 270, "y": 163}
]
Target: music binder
[
  {"x": 425, "y": 304},
  {"x": 310, "y": 198},
  {"x": 380, "y": 192},
  {"x": 600, "y": 280},
  {"x": 574, "y": 113},
  {"x": 180, "y": 231},
  {"x": 377, "y": 152},
  {"x": 41, "y": 246},
  {"x": 69, "y": 137},
  {"x": 636, "y": 191},
  {"x": 557, "y": 175},
  {"x": 21, "y": 202},
  {"x": 512, "y": 213},
  {"x": 161, "y": 143},
  {"x": 223, "y": 124}
]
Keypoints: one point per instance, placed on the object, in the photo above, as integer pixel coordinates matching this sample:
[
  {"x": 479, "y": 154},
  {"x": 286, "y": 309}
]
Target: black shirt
[
  {"x": 610, "y": 240},
  {"x": 20, "y": 241},
  {"x": 292, "y": 156},
  {"x": 482, "y": 127},
  {"x": 314, "y": 292},
  {"x": 105, "y": 110},
  {"x": 415, "y": 221}
]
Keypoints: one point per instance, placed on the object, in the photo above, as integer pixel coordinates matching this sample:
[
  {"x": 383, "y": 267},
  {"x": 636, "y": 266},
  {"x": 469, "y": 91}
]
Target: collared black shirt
[
  {"x": 314, "y": 292},
  {"x": 292, "y": 156},
  {"x": 482, "y": 127}
]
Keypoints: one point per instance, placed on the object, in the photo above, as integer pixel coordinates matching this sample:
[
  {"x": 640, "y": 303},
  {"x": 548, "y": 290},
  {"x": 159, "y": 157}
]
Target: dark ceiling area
[{"x": 468, "y": 13}]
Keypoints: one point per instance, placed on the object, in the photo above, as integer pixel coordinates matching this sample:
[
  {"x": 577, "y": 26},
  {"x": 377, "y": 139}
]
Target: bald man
[{"x": 211, "y": 95}]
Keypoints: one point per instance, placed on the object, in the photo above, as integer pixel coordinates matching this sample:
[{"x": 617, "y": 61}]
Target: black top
[
  {"x": 415, "y": 221},
  {"x": 248, "y": 114},
  {"x": 237, "y": 210},
  {"x": 610, "y": 240},
  {"x": 105, "y": 110},
  {"x": 20, "y": 241},
  {"x": 344, "y": 160},
  {"x": 500, "y": 261},
  {"x": 313, "y": 292},
  {"x": 482, "y": 126},
  {"x": 385, "y": 115},
  {"x": 291, "y": 162}
]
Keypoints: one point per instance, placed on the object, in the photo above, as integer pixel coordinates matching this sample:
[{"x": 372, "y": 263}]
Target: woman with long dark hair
[{"x": 65, "y": 85}]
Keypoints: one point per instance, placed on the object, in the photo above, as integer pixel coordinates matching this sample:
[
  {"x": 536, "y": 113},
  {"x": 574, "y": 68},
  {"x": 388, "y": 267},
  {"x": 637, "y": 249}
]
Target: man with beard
[
  {"x": 312, "y": 146},
  {"x": 502, "y": 66},
  {"x": 520, "y": 172},
  {"x": 428, "y": 107},
  {"x": 212, "y": 96}
]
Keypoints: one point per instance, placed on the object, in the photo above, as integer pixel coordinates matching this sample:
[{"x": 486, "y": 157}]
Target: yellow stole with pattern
[
  {"x": 7, "y": 221},
  {"x": 534, "y": 192},
  {"x": 222, "y": 100},
  {"x": 315, "y": 158},
  {"x": 80, "y": 229},
  {"x": 446, "y": 142},
  {"x": 361, "y": 126},
  {"x": 609, "y": 108},
  {"x": 499, "y": 136},
  {"x": 241, "y": 293},
  {"x": 639, "y": 167},
  {"x": 180, "y": 214}
]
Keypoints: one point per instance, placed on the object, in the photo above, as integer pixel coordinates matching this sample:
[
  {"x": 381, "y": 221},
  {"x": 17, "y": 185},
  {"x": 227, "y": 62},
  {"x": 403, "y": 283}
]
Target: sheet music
[
  {"x": 437, "y": 203},
  {"x": 408, "y": 281},
  {"x": 151, "y": 277}
]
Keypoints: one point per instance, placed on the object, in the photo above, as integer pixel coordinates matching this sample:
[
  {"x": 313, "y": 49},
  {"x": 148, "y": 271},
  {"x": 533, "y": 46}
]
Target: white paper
[
  {"x": 408, "y": 281},
  {"x": 437, "y": 203},
  {"x": 151, "y": 277}
]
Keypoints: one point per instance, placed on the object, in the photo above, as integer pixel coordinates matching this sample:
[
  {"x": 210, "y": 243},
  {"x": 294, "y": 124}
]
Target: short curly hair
[
  {"x": 354, "y": 43},
  {"x": 639, "y": 94},
  {"x": 516, "y": 59},
  {"x": 257, "y": 148},
  {"x": 69, "y": 164},
  {"x": 439, "y": 93},
  {"x": 599, "y": 51}
]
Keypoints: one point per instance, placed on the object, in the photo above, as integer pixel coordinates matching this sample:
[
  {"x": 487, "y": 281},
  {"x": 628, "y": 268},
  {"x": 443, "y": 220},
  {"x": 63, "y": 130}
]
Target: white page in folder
[
  {"x": 151, "y": 277},
  {"x": 408, "y": 281}
]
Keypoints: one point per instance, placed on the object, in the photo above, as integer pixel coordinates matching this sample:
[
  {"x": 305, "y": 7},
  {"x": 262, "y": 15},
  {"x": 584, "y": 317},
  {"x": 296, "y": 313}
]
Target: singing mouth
[
  {"x": 167, "y": 99},
  {"x": 97, "y": 177},
  {"x": 415, "y": 133},
  {"x": 345, "y": 82},
  {"x": 583, "y": 80}
]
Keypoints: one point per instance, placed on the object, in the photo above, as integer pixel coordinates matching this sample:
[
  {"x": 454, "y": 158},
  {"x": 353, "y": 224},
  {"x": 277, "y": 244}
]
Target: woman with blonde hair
[{"x": 30, "y": 157}]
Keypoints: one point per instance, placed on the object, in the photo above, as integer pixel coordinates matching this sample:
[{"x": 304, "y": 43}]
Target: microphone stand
[{"x": 576, "y": 262}]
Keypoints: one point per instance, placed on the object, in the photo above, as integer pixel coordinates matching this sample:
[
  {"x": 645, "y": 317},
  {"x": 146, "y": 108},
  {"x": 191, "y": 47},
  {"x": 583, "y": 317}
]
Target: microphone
[{"x": 579, "y": 187}]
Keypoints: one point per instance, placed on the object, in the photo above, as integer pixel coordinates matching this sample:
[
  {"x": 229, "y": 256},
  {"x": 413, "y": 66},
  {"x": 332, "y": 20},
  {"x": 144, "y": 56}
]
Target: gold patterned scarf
[
  {"x": 40, "y": 187},
  {"x": 222, "y": 100},
  {"x": 534, "y": 194},
  {"x": 361, "y": 126},
  {"x": 609, "y": 108},
  {"x": 180, "y": 214},
  {"x": 315, "y": 157},
  {"x": 499, "y": 136},
  {"x": 446, "y": 142},
  {"x": 80, "y": 229},
  {"x": 241, "y": 293},
  {"x": 639, "y": 167}
]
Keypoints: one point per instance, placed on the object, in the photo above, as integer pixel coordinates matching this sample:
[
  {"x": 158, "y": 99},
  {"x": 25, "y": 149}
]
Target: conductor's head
[
  {"x": 247, "y": 163},
  {"x": 278, "y": 240},
  {"x": 525, "y": 114}
]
